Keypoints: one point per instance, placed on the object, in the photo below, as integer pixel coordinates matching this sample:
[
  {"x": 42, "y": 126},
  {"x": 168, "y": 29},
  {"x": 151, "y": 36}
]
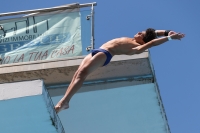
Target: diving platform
[{"x": 125, "y": 92}]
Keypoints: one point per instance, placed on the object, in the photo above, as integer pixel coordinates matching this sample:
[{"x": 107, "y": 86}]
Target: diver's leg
[{"x": 88, "y": 65}]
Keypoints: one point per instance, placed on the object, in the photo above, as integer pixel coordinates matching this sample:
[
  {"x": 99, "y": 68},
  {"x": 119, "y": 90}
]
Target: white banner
[{"x": 41, "y": 37}]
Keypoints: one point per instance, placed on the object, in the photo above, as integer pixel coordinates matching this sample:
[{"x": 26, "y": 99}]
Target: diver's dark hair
[{"x": 150, "y": 35}]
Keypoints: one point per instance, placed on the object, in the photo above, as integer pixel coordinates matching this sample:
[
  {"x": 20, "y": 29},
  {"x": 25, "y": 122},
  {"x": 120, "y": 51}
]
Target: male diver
[{"x": 102, "y": 56}]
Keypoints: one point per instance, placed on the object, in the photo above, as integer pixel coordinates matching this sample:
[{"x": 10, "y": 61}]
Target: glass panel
[
  {"x": 119, "y": 107},
  {"x": 85, "y": 31}
]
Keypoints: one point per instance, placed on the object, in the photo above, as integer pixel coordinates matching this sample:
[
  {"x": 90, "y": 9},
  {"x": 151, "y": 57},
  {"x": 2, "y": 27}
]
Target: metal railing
[{"x": 62, "y": 7}]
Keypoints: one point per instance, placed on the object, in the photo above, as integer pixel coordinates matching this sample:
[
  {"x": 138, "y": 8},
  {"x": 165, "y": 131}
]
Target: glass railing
[{"x": 47, "y": 36}]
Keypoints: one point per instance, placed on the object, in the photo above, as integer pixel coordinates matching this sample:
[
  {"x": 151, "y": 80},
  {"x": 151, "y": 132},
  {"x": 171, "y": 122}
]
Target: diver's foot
[{"x": 61, "y": 106}]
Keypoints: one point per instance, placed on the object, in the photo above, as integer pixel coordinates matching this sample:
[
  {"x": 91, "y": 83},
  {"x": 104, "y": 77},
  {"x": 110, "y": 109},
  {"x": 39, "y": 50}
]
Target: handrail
[{"x": 63, "y": 7}]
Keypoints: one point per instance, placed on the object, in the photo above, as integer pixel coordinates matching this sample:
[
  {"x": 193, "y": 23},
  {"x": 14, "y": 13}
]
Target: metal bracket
[
  {"x": 89, "y": 48},
  {"x": 88, "y": 17},
  {"x": 1, "y": 28}
]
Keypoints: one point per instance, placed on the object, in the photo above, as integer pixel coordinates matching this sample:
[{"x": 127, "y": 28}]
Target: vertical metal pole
[{"x": 92, "y": 26}]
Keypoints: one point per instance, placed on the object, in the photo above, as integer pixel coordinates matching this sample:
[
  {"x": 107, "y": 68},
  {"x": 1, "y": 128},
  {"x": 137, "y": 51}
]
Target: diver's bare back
[{"x": 120, "y": 46}]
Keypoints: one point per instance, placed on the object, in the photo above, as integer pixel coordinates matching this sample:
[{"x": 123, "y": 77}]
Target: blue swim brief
[{"x": 108, "y": 55}]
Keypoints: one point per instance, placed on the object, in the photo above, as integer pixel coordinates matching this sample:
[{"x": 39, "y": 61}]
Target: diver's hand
[
  {"x": 171, "y": 33},
  {"x": 177, "y": 36}
]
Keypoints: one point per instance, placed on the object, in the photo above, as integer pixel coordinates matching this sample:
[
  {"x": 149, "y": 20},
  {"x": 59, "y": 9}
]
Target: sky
[{"x": 176, "y": 63}]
